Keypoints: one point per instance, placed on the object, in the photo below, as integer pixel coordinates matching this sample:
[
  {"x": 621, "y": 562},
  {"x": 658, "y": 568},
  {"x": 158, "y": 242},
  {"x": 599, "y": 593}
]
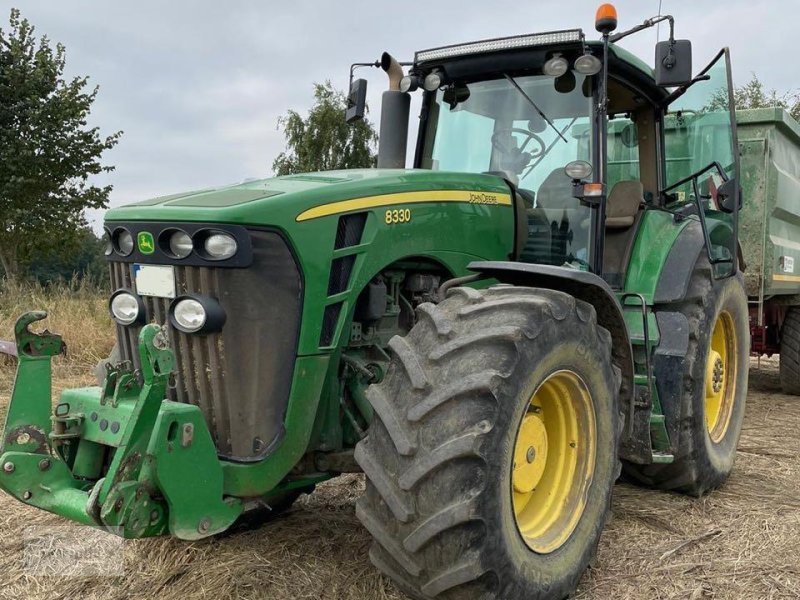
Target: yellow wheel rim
[
  {"x": 554, "y": 460},
  {"x": 721, "y": 369}
]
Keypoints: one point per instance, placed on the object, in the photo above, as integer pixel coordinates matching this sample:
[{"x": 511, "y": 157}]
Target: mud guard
[{"x": 584, "y": 286}]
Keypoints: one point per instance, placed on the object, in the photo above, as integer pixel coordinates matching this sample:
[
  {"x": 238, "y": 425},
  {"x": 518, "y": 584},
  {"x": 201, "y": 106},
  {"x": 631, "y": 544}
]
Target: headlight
[
  {"x": 196, "y": 314},
  {"x": 190, "y": 316},
  {"x": 556, "y": 66},
  {"x": 180, "y": 244},
  {"x": 588, "y": 64},
  {"x": 126, "y": 308},
  {"x": 578, "y": 169},
  {"x": 219, "y": 246},
  {"x": 409, "y": 83},
  {"x": 432, "y": 81},
  {"x": 108, "y": 247},
  {"x": 123, "y": 241}
]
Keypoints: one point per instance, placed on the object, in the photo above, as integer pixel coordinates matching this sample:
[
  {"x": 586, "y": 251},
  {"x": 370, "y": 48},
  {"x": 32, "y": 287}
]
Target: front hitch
[
  {"x": 118, "y": 456},
  {"x": 28, "y": 416}
]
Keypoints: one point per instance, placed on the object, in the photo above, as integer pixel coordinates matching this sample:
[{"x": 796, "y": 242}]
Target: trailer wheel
[
  {"x": 790, "y": 352},
  {"x": 493, "y": 451},
  {"x": 714, "y": 387}
]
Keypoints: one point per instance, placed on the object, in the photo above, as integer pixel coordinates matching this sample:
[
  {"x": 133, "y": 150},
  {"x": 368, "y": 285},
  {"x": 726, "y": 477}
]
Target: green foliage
[
  {"x": 753, "y": 95},
  {"x": 80, "y": 259},
  {"x": 48, "y": 153},
  {"x": 323, "y": 141}
]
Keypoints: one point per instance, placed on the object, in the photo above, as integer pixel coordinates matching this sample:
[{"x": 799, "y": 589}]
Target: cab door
[{"x": 701, "y": 161}]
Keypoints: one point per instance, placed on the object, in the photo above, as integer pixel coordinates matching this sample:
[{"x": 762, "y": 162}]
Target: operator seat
[
  {"x": 622, "y": 220},
  {"x": 556, "y": 192},
  {"x": 550, "y": 222}
]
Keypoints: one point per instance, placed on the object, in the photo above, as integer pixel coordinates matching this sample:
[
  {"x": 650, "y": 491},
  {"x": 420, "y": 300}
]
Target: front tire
[{"x": 493, "y": 452}]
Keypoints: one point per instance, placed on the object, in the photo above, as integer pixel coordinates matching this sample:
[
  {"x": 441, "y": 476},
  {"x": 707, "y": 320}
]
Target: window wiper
[{"x": 533, "y": 104}]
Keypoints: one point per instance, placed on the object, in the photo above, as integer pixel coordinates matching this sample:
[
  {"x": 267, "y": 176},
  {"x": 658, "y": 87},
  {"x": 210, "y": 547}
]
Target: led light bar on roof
[{"x": 498, "y": 44}]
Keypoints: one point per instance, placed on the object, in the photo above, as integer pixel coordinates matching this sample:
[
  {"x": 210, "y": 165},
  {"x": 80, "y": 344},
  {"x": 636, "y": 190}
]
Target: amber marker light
[
  {"x": 605, "y": 21},
  {"x": 593, "y": 189}
]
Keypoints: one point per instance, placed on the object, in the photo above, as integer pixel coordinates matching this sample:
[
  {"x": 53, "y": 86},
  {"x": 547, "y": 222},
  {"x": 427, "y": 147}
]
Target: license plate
[{"x": 154, "y": 280}]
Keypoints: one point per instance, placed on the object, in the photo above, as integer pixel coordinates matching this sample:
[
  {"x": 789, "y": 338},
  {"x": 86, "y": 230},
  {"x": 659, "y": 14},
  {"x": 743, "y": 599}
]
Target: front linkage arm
[
  {"x": 163, "y": 472},
  {"x": 28, "y": 417}
]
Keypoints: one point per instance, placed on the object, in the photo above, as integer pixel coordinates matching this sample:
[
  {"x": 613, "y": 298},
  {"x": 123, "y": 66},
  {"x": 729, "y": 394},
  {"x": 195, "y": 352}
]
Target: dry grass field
[{"x": 742, "y": 541}]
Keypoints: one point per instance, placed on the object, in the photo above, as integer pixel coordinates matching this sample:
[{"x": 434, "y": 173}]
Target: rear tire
[
  {"x": 790, "y": 352},
  {"x": 709, "y": 431},
  {"x": 442, "y": 457}
]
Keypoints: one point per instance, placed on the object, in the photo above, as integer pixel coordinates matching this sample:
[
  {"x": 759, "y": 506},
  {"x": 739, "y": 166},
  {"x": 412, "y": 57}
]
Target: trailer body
[{"x": 769, "y": 233}]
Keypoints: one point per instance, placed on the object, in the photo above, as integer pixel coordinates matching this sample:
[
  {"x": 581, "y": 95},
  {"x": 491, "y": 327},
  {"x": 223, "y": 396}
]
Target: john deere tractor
[{"x": 552, "y": 294}]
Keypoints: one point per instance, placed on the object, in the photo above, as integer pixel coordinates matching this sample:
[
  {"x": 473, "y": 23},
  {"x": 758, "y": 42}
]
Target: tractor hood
[{"x": 283, "y": 200}]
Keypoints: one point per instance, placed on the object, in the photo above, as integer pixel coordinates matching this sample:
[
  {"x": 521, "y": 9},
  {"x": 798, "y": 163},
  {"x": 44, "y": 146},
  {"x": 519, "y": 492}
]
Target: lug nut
[
  {"x": 531, "y": 454},
  {"x": 26, "y": 495},
  {"x": 44, "y": 464},
  {"x": 8, "y": 467}
]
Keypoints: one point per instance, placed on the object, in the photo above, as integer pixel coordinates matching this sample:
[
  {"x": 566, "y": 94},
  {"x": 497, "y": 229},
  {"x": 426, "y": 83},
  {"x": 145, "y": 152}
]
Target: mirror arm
[
  {"x": 682, "y": 90},
  {"x": 376, "y": 64},
  {"x": 646, "y": 25}
]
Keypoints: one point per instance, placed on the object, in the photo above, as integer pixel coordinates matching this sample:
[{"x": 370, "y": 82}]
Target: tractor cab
[{"x": 587, "y": 136}]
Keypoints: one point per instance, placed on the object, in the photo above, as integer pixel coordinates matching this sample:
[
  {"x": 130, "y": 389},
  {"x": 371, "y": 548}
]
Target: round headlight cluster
[
  {"x": 189, "y": 314},
  {"x": 126, "y": 308},
  {"x": 586, "y": 64},
  {"x": 210, "y": 244}
]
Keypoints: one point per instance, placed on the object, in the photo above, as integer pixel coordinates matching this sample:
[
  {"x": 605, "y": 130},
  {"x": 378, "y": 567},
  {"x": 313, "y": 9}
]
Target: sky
[{"x": 197, "y": 86}]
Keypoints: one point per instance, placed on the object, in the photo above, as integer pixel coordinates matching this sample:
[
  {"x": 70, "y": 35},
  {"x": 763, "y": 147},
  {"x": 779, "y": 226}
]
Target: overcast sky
[{"x": 197, "y": 86}]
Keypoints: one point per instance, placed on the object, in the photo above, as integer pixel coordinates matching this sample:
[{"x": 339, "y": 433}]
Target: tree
[
  {"x": 753, "y": 95},
  {"x": 83, "y": 260},
  {"x": 323, "y": 141},
  {"x": 47, "y": 152}
]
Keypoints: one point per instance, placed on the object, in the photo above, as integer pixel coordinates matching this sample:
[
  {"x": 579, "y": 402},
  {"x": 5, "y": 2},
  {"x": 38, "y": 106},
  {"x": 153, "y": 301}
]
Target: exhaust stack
[{"x": 394, "y": 118}]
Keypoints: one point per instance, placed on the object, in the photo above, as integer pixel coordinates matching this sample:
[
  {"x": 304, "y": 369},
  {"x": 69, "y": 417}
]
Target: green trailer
[
  {"x": 769, "y": 227},
  {"x": 769, "y": 233}
]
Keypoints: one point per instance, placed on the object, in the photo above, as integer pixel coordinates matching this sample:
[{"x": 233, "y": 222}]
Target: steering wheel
[{"x": 503, "y": 141}]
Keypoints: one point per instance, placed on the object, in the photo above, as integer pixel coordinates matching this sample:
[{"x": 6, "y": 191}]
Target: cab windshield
[{"x": 526, "y": 129}]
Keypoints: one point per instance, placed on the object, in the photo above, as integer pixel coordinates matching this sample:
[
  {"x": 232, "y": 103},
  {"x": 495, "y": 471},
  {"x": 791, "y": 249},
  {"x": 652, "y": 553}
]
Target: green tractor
[{"x": 550, "y": 296}]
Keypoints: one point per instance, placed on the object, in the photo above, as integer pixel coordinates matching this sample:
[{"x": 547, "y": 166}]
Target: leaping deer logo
[{"x": 146, "y": 243}]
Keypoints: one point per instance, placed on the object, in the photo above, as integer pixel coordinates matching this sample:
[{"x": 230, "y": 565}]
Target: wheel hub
[
  {"x": 715, "y": 371},
  {"x": 554, "y": 460},
  {"x": 530, "y": 456},
  {"x": 720, "y": 382}
]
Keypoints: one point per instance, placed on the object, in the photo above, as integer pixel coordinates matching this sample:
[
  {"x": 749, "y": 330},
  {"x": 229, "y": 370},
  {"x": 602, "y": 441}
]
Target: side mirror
[
  {"x": 356, "y": 101},
  {"x": 728, "y": 194},
  {"x": 673, "y": 63}
]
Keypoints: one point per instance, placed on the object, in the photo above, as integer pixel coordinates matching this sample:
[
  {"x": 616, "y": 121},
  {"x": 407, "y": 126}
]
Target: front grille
[{"x": 239, "y": 378}]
